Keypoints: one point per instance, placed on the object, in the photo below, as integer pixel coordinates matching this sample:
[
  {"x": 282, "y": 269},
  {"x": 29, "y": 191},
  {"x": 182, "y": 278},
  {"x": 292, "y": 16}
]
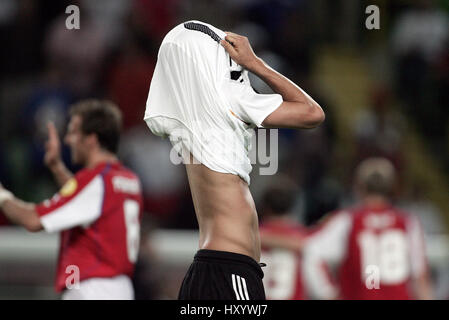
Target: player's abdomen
[{"x": 225, "y": 211}]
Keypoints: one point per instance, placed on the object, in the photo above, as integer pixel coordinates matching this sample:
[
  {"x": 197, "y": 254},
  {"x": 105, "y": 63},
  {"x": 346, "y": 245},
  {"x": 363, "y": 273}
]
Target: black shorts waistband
[{"x": 208, "y": 255}]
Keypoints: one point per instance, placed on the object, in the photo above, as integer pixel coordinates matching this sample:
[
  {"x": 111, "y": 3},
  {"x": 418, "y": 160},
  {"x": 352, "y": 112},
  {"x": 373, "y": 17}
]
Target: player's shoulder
[
  {"x": 336, "y": 216},
  {"x": 85, "y": 175},
  {"x": 106, "y": 171},
  {"x": 407, "y": 217},
  {"x": 400, "y": 212},
  {"x": 386, "y": 210},
  {"x": 125, "y": 172},
  {"x": 82, "y": 179},
  {"x": 386, "y": 217},
  {"x": 123, "y": 179}
]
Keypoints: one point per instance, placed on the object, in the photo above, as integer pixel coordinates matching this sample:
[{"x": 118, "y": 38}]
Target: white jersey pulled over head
[{"x": 203, "y": 101}]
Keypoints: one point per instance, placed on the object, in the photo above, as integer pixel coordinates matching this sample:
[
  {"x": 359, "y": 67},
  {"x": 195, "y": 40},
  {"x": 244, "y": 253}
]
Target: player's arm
[
  {"x": 19, "y": 212},
  {"x": 78, "y": 203},
  {"x": 423, "y": 286},
  {"x": 53, "y": 158},
  {"x": 421, "y": 282},
  {"x": 298, "y": 109},
  {"x": 325, "y": 248}
]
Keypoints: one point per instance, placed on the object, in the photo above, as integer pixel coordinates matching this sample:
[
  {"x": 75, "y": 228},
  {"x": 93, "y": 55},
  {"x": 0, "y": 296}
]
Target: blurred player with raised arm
[
  {"x": 201, "y": 98},
  {"x": 97, "y": 211},
  {"x": 375, "y": 250},
  {"x": 283, "y": 274}
]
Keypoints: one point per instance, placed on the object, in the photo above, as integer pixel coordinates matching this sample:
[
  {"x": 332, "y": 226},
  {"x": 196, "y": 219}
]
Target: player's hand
[
  {"x": 4, "y": 195},
  {"x": 52, "y": 147},
  {"x": 240, "y": 50}
]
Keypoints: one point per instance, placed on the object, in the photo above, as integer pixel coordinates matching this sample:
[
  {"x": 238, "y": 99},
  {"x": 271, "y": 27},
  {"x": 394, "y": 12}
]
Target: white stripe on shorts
[
  {"x": 239, "y": 283},
  {"x": 235, "y": 288},
  {"x": 245, "y": 289},
  {"x": 240, "y": 288}
]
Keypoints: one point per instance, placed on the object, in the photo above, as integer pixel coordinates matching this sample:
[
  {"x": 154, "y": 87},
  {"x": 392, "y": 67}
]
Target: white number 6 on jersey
[{"x": 131, "y": 210}]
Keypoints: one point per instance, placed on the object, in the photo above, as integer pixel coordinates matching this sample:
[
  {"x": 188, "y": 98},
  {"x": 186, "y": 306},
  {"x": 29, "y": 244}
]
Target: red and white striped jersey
[
  {"x": 98, "y": 212},
  {"x": 375, "y": 253},
  {"x": 282, "y": 274}
]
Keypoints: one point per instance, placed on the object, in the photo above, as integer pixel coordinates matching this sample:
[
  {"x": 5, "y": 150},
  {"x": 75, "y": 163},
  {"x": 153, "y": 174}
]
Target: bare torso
[
  {"x": 224, "y": 206},
  {"x": 225, "y": 211}
]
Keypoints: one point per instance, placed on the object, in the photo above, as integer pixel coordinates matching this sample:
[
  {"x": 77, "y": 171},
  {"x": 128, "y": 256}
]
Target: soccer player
[
  {"x": 201, "y": 98},
  {"x": 283, "y": 274},
  {"x": 97, "y": 211},
  {"x": 375, "y": 250}
]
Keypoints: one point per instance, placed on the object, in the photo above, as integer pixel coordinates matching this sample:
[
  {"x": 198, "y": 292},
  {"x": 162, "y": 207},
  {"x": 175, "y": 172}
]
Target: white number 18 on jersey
[{"x": 388, "y": 252}]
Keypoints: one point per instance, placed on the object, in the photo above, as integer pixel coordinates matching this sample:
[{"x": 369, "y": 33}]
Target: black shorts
[{"x": 221, "y": 275}]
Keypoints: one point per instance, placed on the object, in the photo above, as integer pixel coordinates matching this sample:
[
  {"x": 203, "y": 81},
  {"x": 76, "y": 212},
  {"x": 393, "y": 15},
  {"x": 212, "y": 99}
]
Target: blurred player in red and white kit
[
  {"x": 97, "y": 211},
  {"x": 283, "y": 275},
  {"x": 375, "y": 250}
]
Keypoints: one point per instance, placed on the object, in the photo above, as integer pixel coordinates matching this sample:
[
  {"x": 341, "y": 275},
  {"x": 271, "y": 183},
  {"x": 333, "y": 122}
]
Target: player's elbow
[
  {"x": 313, "y": 118},
  {"x": 33, "y": 224},
  {"x": 318, "y": 116}
]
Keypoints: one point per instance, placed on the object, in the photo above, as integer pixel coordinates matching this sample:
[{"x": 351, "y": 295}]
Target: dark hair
[
  {"x": 280, "y": 196},
  {"x": 376, "y": 176},
  {"x": 102, "y": 118}
]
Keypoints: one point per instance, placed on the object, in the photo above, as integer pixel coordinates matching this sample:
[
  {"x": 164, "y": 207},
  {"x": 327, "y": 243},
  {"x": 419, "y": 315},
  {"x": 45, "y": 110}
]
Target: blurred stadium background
[{"x": 385, "y": 93}]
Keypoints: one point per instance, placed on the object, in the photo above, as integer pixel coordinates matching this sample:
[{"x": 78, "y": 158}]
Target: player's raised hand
[
  {"x": 52, "y": 146},
  {"x": 4, "y": 195},
  {"x": 240, "y": 50}
]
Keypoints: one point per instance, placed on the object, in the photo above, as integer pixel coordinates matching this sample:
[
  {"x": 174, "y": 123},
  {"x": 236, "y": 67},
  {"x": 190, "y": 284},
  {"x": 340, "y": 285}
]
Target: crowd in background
[{"x": 44, "y": 68}]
